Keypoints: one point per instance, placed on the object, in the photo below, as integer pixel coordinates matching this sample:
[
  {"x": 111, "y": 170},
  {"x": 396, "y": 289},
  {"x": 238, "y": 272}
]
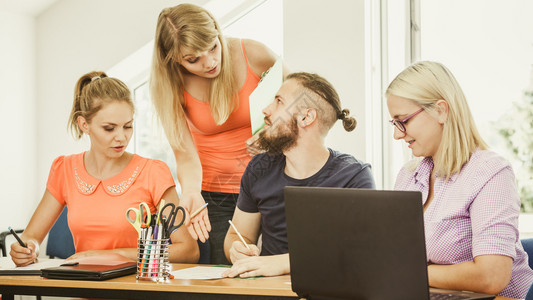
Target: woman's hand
[
  {"x": 24, "y": 256},
  {"x": 88, "y": 253},
  {"x": 199, "y": 226},
  {"x": 253, "y": 146}
]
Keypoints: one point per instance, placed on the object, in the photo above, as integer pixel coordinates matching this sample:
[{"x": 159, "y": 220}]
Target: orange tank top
[{"x": 222, "y": 148}]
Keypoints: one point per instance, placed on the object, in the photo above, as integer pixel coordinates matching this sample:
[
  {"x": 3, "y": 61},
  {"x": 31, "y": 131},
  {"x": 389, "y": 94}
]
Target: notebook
[
  {"x": 359, "y": 244},
  {"x": 99, "y": 267}
]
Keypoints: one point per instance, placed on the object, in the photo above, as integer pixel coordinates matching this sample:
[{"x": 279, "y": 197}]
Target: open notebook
[{"x": 7, "y": 267}]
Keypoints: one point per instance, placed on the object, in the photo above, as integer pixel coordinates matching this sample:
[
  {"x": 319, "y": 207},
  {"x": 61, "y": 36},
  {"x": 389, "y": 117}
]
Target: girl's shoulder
[
  {"x": 67, "y": 161},
  {"x": 259, "y": 56},
  {"x": 152, "y": 165},
  {"x": 485, "y": 162}
]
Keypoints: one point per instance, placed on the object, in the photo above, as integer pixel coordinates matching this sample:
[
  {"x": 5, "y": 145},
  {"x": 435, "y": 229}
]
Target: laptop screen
[{"x": 356, "y": 243}]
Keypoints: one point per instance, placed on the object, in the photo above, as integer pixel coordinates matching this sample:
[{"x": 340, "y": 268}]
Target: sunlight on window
[
  {"x": 150, "y": 140},
  {"x": 263, "y": 24}
]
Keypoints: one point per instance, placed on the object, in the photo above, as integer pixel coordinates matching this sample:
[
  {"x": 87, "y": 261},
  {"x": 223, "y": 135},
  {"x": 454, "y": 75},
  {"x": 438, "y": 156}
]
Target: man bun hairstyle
[
  {"x": 349, "y": 123},
  {"x": 325, "y": 90}
]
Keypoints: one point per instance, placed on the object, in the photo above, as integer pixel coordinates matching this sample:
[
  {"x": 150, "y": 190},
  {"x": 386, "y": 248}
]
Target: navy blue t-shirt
[{"x": 262, "y": 190}]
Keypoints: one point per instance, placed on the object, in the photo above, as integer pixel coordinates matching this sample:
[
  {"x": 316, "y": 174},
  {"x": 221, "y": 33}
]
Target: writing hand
[
  {"x": 24, "y": 256},
  {"x": 239, "y": 251}
]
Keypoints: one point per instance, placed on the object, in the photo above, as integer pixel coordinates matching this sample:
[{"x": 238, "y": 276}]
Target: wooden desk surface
[
  {"x": 130, "y": 288},
  {"x": 278, "y": 286}
]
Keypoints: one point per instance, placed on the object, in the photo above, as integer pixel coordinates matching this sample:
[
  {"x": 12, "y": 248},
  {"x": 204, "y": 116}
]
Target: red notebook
[{"x": 99, "y": 267}]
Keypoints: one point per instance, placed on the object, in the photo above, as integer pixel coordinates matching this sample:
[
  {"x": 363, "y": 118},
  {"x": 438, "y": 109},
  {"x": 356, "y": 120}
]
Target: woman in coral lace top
[{"x": 99, "y": 185}]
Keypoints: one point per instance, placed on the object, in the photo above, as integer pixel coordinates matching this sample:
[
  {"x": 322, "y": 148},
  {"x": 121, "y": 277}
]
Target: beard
[{"x": 277, "y": 140}]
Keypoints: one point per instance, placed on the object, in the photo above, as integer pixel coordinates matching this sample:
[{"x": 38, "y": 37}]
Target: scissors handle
[
  {"x": 172, "y": 220},
  {"x": 136, "y": 222},
  {"x": 128, "y": 216},
  {"x": 144, "y": 209}
]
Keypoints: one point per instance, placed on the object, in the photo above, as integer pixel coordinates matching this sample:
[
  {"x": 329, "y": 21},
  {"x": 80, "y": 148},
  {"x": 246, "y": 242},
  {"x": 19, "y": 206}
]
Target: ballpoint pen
[{"x": 17, "y": 237}]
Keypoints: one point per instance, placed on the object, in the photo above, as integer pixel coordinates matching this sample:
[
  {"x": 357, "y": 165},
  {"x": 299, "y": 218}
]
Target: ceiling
[{"x": 26, "y": 7}]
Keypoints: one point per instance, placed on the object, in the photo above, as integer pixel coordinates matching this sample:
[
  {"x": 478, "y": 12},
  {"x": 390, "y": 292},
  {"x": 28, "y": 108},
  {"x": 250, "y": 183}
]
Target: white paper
[
  {"x": 7, "y": 264},
  {"x": 199, "y": 273}
]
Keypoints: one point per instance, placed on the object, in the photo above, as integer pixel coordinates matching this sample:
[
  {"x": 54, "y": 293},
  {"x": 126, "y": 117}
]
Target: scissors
[
  {"x": 142, "y": 217},
  {"x": 170, "y": 219}
]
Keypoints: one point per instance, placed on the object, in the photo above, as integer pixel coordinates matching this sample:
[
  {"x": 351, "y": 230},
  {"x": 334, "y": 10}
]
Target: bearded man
[{"x": 304, "y": 110}]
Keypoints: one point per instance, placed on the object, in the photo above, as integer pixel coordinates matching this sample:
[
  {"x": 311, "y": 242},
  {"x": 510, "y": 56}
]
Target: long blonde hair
[
  {"x": 427, "y": 82},
  {"x": 193, "y": 27},
  {"x": 94, "y": 90}
]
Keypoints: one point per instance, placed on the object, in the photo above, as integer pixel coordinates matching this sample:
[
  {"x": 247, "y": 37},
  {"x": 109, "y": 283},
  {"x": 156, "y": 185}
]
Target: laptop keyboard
[{"x": 443, "y": 296}]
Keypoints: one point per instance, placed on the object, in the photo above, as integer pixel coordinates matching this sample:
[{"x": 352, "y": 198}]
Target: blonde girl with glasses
[{"x": 471, "y": 204}]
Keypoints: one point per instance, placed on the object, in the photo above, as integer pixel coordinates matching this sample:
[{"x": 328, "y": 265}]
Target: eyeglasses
[{"x": 400, "y": 124}]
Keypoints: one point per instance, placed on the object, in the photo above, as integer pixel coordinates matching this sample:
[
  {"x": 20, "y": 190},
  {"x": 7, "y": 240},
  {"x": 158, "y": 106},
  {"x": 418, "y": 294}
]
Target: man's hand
[
  {"x": 273, "y": 265},
  {"x": 239, "y": 251}
]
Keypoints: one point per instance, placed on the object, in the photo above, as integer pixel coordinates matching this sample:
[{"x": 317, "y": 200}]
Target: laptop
[{"x": 359, "y": 244}]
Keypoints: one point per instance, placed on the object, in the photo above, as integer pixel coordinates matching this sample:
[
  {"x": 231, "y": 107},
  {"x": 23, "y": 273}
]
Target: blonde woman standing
[
  {"x": 200, "y": 84},
  {"x": 470, "y": 200}
]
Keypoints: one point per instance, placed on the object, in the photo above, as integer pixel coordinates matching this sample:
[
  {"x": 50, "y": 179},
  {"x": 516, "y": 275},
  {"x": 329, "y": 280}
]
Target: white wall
[
  {"x": 330, "y": 41},
  {"x": 17, "y": 119}
]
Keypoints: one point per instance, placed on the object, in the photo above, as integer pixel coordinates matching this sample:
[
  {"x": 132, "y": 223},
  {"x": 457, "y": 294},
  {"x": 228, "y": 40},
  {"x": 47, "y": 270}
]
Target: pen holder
[{"x": 152, "y": 259}]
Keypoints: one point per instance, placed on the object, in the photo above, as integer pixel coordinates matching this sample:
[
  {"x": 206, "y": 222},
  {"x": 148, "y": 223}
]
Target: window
[
  {"x": 149, "y": 139},
  {"x": 388, "y": 53},
  {"x": 488, "y": 46}
]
